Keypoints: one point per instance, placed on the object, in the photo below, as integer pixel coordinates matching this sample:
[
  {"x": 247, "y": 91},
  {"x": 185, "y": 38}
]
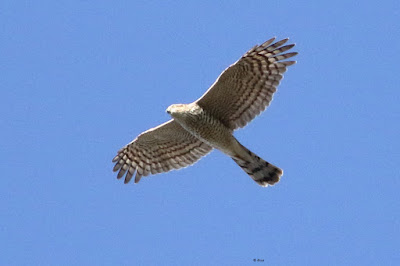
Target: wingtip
[
  {"x": 137, "y": 178},
  {"x": 268, "y": 42},
  {"x": 289, "y": 63},
  {"x": 128, "y": 176},
  {"x": 117, "y": 166},
  {"x": 115, "y": 159}
]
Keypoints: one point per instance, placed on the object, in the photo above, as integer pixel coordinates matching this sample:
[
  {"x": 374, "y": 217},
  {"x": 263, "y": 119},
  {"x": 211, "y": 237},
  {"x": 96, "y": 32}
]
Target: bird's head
[
  {"x": 176, "y": 109},
  {"x": 181, "y": 110}
]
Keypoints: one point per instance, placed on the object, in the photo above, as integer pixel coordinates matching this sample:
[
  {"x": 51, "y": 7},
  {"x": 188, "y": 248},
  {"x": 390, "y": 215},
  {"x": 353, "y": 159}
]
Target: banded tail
[{"x": 259, "y": 170}]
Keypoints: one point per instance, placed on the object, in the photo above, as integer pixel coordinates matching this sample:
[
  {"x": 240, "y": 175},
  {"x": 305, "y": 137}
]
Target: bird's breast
[{"x": 209, "y": 130}]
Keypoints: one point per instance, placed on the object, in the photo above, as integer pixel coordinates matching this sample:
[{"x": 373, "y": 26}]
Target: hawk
[{"x": 238, "y": 95}]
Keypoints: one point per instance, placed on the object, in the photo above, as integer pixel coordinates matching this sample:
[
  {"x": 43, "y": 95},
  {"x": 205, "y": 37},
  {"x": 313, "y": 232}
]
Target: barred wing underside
[
  {"x": 245, "y": 88},
  {"x": 157, "y": 150}
]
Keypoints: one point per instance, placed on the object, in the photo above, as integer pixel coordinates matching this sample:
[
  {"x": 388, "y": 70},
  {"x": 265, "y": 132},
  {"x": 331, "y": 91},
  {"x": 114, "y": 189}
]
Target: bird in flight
[{"x": 239, "y": 94}]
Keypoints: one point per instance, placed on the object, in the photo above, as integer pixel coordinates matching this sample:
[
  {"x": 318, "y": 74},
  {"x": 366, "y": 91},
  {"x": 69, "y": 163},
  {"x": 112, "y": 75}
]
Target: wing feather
[
  {"x": 246, "y": 88},
  {"x": 157, "y": 150}
]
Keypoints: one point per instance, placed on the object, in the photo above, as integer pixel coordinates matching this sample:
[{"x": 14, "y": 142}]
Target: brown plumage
[{"x": 239, "y": 94}]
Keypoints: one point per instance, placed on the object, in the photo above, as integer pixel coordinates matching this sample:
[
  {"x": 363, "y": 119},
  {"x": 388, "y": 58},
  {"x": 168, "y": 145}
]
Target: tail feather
[{"x": 259, "y": 170}]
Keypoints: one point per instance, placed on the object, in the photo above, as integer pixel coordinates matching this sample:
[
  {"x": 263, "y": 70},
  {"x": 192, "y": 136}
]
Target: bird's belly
[{"x": 212, "y": 132}]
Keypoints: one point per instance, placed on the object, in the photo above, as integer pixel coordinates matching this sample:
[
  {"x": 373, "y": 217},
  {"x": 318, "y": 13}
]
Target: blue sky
[{"x": 80, "y": 79}]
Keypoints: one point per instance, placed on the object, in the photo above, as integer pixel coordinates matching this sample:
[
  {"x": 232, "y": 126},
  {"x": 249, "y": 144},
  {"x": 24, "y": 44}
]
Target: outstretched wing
[
  {"x": 245, "y": 88},
  {"x": 157, "y": 150}
]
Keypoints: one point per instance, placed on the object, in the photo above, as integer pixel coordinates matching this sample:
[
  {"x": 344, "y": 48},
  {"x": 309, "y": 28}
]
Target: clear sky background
[{"x": 80, "y": 79}]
